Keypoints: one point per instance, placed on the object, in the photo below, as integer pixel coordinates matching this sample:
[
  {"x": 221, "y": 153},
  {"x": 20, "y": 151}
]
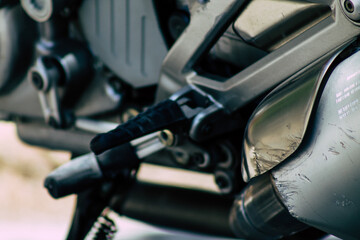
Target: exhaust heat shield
[
  {"x": 320, "y": 183},
  {"x": 278, "y": 125}
]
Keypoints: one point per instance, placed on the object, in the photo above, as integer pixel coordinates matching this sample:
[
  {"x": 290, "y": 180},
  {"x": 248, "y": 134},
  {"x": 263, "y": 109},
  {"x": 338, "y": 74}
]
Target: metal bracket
[
  {"x": 316, "y": 44},
  {"x": 206, "y": 116},
  {"x": 208, "y": 20},
  {"x": 46, "y": 77}
]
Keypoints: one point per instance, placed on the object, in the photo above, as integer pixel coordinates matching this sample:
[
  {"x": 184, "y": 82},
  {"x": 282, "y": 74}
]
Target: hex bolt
[{"x": 349, "y": 6}]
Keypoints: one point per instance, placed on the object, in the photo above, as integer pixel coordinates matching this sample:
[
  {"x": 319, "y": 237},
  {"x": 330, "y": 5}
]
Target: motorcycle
[{"x": 250, "y": 108}]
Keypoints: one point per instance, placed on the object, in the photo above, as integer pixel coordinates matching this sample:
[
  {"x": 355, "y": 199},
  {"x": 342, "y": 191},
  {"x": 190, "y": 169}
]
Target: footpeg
[
  {"x": 82, "y": 172},
  {"x": 124, "y": 147}
]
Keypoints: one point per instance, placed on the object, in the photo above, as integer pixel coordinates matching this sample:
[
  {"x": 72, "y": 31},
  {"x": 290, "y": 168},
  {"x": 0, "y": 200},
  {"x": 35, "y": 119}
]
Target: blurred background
[{"x": 26, "y": 209}]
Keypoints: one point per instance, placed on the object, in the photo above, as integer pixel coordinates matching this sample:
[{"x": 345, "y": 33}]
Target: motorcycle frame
[{"x": 298, "y": 55}]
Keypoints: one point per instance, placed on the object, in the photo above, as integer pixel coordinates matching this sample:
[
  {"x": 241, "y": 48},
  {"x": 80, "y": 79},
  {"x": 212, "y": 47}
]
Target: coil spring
[{"x": 103, "y": 229}]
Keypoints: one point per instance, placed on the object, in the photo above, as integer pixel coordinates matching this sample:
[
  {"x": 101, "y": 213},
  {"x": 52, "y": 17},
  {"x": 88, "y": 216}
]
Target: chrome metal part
[
  {"x": 319, "y": 184},
  {"x": 259, "y": 214},
  {"x": 315, "y": 45},
  {"x": 269, "y": 24},
  {"x": 147, "y": 145},
  {"x": 278, "y": 124},
  {"x": 351, "y": 9}
]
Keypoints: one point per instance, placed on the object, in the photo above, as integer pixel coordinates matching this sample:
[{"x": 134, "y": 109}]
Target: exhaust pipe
[
  {"x": 318, "y": 184},
  {"x": 258, "y": 213}
]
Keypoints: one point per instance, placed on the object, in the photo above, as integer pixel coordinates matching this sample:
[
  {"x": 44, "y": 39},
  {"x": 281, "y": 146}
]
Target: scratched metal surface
[{"x": 320, "y": 183}]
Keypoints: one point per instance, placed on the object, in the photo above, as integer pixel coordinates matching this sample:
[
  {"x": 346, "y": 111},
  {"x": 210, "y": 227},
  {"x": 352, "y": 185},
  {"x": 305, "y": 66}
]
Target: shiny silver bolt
[
  {"x": 351, "y": 9},
  {"x": 349, "y": 6}
]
